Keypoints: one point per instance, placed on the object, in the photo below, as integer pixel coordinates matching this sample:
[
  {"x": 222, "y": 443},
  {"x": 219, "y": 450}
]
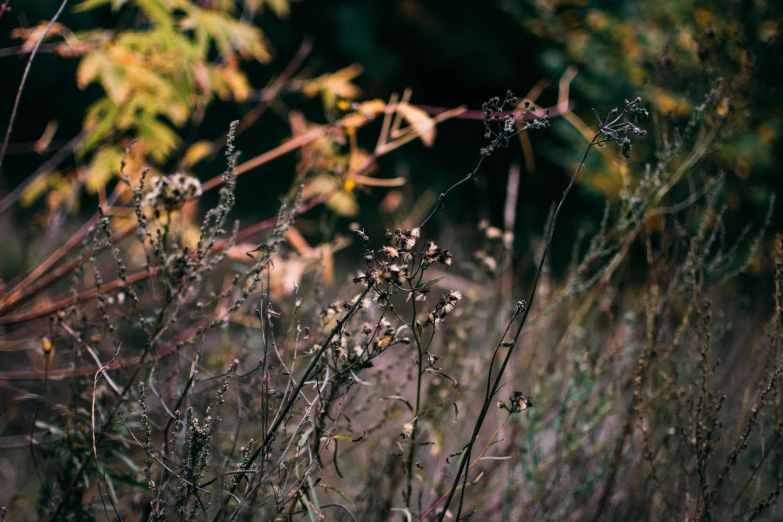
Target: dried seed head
[
  {"x": 390, "y": 252},
  {"x": 519, "y": 402},
  {"x": 172, "y": 191}
]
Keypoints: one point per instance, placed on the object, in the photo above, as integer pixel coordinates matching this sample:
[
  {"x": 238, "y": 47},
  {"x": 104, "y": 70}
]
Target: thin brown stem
[{"x": 25, "y": 76}]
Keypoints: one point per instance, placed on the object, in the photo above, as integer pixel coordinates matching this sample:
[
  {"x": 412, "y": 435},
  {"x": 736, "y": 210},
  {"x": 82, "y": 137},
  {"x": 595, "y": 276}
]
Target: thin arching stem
[
  {"x": 26, "y": 73},
  {"x": 497, "y": 382}
]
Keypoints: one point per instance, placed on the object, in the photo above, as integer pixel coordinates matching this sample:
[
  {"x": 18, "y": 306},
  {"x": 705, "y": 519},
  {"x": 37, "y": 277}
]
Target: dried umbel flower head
[
  {"x": 619, "y": 126},
  {"x": 171, "y": 192},
  {"x": 501, "y": 123}
]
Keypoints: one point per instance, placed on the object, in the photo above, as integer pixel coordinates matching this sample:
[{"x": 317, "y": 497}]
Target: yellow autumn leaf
[
  {"x": 89, "y": 4},
  {"x": 228, "y": 34},
  {"x": 337, "y": 84},
  {"x": 344, "y": 203},
  {"x": 280, "y": 7},
  {"x": 230, "y": 83},
  {"x": 92, "y": 4},
  {"x": 37, "y": 188},
  {"x": 104, "y": 166},
  {"x": 114, "y": 82},
  {"x": 99, "y": 122},
  {"x": 421, "y": 122},
  {"x": 337, "y": 199},
  {"x": 160, "y": 137},
  {"x": 89, "y": 68},
  {"x": 670, "y": 104},
  {"x": 196, "y": 152}
]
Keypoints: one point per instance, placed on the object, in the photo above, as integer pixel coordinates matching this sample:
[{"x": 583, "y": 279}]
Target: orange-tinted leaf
[{"x": 196, "y": 153}]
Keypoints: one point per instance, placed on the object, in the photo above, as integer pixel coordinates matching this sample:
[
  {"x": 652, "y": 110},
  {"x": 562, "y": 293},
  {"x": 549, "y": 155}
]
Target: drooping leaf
[
  {"x": 428, "y": 283},
  {"x": 229, "y": 82},
  {"x": 156, "y": 132},
  {"x": 420, "y": 121},
  {"x": 105, "y": 165},
  {"x": 227, "y": 34},
  {"x": 334, "y": 86}
]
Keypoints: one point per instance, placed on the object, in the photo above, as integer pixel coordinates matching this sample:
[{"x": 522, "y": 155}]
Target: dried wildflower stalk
[{"x": 618, "y": 127}]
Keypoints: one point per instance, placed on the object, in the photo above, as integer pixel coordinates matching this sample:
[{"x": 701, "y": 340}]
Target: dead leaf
[
  {"x": 366, "y": 112},
  {"x": 422, "y": 124},
  {"x": 337, "y": 84},
  {"x": 33, "y": 35}
]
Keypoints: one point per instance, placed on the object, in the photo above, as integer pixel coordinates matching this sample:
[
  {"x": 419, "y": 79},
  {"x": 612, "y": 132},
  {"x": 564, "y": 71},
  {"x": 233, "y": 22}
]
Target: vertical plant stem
[{"x": 417, "y": 411}]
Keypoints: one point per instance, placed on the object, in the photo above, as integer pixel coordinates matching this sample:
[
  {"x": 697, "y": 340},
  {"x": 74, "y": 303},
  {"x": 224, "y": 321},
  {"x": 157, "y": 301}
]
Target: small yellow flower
[
  {"x": 349, "y": 185},
  {"x": 46, "y": 345}
]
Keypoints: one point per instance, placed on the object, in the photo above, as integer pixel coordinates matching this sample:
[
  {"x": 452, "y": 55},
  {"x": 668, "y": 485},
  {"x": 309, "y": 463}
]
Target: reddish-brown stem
[
  {"x": 17, "y": 297},
  {"x": 117, "y": 284},
  {"x": 4, "y": 7}
]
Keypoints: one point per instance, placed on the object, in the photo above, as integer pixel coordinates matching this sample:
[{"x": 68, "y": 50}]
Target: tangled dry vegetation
[{"x": 202, "y": 377}]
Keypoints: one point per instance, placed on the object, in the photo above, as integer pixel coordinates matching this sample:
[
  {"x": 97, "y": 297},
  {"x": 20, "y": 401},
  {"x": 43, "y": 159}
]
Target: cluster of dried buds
[
  {"x": 391, "y": 264},
  {"x": 170, "y": 192},
  {"x": 445, "y": 306},
  {"x": 394, "y": 267},
  {"x": 518, "y": 403}
]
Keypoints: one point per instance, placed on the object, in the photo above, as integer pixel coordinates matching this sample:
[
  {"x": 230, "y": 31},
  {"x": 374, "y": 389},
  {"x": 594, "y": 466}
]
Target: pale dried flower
[
  {"x": 390, "y": 252},
  {"x": 493, "y": 233},
  {"x": 171, "y": 191}
]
